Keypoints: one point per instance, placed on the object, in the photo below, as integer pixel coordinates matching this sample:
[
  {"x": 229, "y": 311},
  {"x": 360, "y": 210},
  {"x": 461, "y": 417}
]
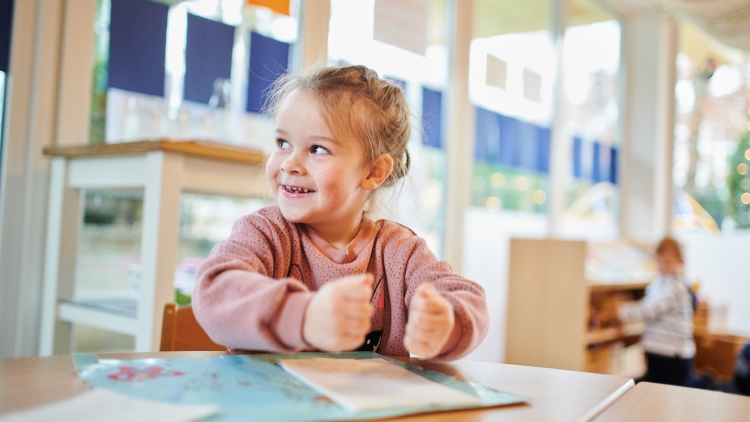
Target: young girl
[
  {"x": 668, "y": 311},
  {"x": 315, "y": 272}
]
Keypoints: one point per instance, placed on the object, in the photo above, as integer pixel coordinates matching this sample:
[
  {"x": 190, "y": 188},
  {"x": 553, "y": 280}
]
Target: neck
[{"x": 340, "y": 233}]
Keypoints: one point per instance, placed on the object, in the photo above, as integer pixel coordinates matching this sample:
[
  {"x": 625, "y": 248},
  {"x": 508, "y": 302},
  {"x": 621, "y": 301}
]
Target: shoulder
[
  {"x": 395, "y": 238},
  {"x": 390, "y": 231}
]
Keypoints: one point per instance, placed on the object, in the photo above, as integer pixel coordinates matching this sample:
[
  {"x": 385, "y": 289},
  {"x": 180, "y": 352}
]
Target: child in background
[
  {"x": 668, "y": 311},
  {"x": 315, "y": 272}
]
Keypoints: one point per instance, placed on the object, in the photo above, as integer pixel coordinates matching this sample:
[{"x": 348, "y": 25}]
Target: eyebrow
[{"x": 314, "y": 137}]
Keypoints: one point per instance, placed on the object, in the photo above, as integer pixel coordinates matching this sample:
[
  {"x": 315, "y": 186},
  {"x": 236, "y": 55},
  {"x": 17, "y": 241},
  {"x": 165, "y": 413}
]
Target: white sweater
[{"x": 668, "y": 311}]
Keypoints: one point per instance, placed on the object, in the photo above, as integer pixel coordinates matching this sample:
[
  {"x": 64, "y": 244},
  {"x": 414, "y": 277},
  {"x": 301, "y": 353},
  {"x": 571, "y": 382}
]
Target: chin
[{"x": 292, "y": 216}]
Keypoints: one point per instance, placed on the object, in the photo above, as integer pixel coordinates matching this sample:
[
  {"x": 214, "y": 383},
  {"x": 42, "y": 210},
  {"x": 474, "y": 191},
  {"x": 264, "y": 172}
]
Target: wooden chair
[{"x": 180, "y": 331}]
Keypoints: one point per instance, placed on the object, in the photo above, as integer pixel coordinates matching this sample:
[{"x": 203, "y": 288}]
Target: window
[
  {"x": 420, "y": 67},
  {"x": 201, "y": 50},
  {"x": 710, "y": 136},
  {"x": 512, "y": 76},
  {"x": 590, "y": 118}
]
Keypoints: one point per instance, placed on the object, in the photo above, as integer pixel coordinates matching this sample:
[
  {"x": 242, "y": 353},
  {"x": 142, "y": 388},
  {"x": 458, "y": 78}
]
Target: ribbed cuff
[{"x": 288, "y": 322}]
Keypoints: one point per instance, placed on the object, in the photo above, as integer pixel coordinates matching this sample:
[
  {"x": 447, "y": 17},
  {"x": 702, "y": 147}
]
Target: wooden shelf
[
  {"x": 551, "y": 304},
  {"x": 608, "y": 335},
  {"x": 203, "y": 149},
  {"x": 595, "y": 287}
]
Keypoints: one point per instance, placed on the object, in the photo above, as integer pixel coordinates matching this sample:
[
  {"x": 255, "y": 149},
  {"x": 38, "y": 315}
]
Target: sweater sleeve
[
  {"x": 654, "y": 305},
  {"x": 466, "y": 297},
  {"x": 240, "y": 297}
]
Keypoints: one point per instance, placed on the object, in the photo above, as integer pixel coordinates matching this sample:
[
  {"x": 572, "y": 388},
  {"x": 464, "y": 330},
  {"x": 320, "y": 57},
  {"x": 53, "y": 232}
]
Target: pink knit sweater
[{"x": 253, "y": 290}]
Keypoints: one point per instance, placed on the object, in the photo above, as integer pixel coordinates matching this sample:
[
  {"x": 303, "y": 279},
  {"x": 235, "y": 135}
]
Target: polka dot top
[{"x": 253, "y": 290}]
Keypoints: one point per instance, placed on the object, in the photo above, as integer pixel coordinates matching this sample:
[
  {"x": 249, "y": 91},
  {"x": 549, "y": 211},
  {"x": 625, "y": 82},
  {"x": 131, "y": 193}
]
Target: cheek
[
  {"x": 272, "y": 166},
  {"x": 334, "y": 183},
  {"x": 272, "y": 170}
]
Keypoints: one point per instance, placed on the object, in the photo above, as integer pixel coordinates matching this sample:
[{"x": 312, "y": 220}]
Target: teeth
[{"x": 296, "y": 189}]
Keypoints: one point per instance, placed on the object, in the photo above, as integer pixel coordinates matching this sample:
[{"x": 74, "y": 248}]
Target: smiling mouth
[{"x": 295, "y": 189}]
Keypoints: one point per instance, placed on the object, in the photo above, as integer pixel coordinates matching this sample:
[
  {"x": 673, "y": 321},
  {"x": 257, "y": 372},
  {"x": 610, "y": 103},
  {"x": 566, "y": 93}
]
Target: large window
[
  {"x": 590, "y": 116},
  {"x": 511, "y": 82},
  {"x": 420, "y": 66},
  {"x": 215, "y": 58},
  {"x": 711, "y": 135}
]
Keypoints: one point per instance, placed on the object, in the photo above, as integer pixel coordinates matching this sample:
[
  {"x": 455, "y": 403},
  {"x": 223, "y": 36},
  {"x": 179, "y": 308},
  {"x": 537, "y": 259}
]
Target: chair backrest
[{"x": 180, "y": 331}]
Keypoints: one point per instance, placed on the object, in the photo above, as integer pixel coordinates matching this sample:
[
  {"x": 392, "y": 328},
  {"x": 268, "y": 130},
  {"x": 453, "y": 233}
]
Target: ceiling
[
  {"x": 498, "y": 17},
  {"x": 726, "y": 20},
  {"x": 708, "y": 28}
]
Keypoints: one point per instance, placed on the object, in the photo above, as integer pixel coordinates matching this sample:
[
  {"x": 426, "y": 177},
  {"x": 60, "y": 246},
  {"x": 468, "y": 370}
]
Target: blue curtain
[
  {"x": 269, "y": 60},
  {"x": 208, "y": 56},
  {"x": 137, "y": 46}
]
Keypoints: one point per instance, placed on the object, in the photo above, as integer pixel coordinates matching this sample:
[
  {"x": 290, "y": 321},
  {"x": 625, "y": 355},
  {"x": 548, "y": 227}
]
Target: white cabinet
[{"x": 164, "y": 170}]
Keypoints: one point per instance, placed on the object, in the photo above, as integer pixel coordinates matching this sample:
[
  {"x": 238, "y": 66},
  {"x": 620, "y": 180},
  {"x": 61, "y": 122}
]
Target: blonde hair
[
  {"x": 669, "y": 245},
  {"x": 355, "y": 102}
]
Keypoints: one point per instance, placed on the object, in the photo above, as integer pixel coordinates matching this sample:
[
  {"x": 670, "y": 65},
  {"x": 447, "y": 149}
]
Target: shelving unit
[
  {"x": 163, "y": 169},
  {"x": 553, "y": 305}
]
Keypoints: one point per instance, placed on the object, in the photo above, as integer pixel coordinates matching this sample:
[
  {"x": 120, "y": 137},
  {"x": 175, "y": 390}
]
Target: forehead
[
  {"x": 333, "y": 111},
  {"x": 297, "y": 102}
]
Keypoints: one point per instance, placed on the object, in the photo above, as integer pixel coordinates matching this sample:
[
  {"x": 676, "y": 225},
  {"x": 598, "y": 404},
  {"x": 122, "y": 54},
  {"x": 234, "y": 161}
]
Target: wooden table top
[
  {"x": 204, "y": 149},
  {"x": 554, "y": 394},
  {"x": 656, "y": 402}
]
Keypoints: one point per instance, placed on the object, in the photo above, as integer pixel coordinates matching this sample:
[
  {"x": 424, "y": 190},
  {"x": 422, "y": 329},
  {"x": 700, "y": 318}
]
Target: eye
[
  {"x": 282, "y": 144},
  {"x": 317, "y": 149}
]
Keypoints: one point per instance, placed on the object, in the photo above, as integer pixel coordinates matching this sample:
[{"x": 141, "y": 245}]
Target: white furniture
[{"x": 163, "y": 169}]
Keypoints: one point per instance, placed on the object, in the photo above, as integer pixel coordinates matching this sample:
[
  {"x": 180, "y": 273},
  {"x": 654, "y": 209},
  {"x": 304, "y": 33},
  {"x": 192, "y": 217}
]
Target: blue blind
[
  {"x": 577, "y": 157},
  {"x": 137, "y": 46},
  {"x": 6, "y": 29},
  {"x": 613, "y": 165},
  {"x": 269, "y": 60},
  {"x": 208, "y": 56},
  {"x": 431, "y": 117},
  {"x": 594, "y": 161},
  {"x": 507, "y": 141}
]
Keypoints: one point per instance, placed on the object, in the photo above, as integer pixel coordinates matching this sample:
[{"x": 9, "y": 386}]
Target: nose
[{"x": 292, "y": 164}]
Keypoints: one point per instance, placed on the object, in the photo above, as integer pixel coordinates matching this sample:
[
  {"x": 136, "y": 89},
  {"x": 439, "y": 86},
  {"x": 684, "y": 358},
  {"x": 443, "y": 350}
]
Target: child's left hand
[{"x": 431, "y": 322}]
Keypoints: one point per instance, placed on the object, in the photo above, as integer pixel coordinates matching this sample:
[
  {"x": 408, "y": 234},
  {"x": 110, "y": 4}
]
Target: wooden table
[
  {"x": 554, "y": 394},
  {"x": 665, "y": 403},
  {"x": 163, "y": 170}
]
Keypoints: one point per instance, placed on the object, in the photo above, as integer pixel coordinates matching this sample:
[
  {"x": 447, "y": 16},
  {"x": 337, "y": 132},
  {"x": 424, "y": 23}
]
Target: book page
[{"x": 370, "y": 384}]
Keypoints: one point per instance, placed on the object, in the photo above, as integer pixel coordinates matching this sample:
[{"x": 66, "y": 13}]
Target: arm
[
  {"x": 466, "y": 298},
  {"x": 654, "y": 305},
  {"x": 241, "y": 299}
]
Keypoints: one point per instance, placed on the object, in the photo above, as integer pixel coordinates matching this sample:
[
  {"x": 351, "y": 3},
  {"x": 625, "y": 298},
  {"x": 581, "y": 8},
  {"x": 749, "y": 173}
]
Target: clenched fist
[
  {"x": 431, "y": 323},
  {"x": 338, "y": 316}
]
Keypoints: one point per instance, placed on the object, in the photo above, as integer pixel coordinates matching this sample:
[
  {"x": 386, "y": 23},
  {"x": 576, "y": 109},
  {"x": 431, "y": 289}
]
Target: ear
[{"x": 379, "y": 171}]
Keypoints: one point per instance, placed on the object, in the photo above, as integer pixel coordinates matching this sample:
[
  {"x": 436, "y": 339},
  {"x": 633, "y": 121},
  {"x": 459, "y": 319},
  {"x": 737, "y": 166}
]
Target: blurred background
[{"x": 607, "y": 122}]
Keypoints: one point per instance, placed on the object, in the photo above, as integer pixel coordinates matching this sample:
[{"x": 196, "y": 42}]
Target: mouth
[{"x": 295, "y": 189}]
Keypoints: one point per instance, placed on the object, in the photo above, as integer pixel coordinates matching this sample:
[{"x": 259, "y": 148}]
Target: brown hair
[
  {"x": 669, "y": 245},
  {"x": 355, "y": 102}
]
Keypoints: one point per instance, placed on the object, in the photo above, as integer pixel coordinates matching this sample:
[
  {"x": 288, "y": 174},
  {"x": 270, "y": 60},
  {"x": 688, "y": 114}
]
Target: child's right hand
[{"x": 338, "y": 316}]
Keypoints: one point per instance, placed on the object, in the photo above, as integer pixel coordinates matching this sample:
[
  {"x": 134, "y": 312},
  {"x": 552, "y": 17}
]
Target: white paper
[
  {"x": 104, "y": 405},
  {"x": 369, "y": 384},
  {"x": 402, "y": 23}
]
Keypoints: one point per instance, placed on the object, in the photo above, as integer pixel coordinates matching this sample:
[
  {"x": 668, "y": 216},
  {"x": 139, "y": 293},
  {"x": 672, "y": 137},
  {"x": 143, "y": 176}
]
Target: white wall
[
  {"x": 721, "y": 265},
  {"x": 486, "y": 255}
]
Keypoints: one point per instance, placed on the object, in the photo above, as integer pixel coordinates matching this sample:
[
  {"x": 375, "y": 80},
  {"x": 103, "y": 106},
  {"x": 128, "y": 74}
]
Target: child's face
[
  {"x": 315, "y": 178},
  {"x": 668, "y": 263}
]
